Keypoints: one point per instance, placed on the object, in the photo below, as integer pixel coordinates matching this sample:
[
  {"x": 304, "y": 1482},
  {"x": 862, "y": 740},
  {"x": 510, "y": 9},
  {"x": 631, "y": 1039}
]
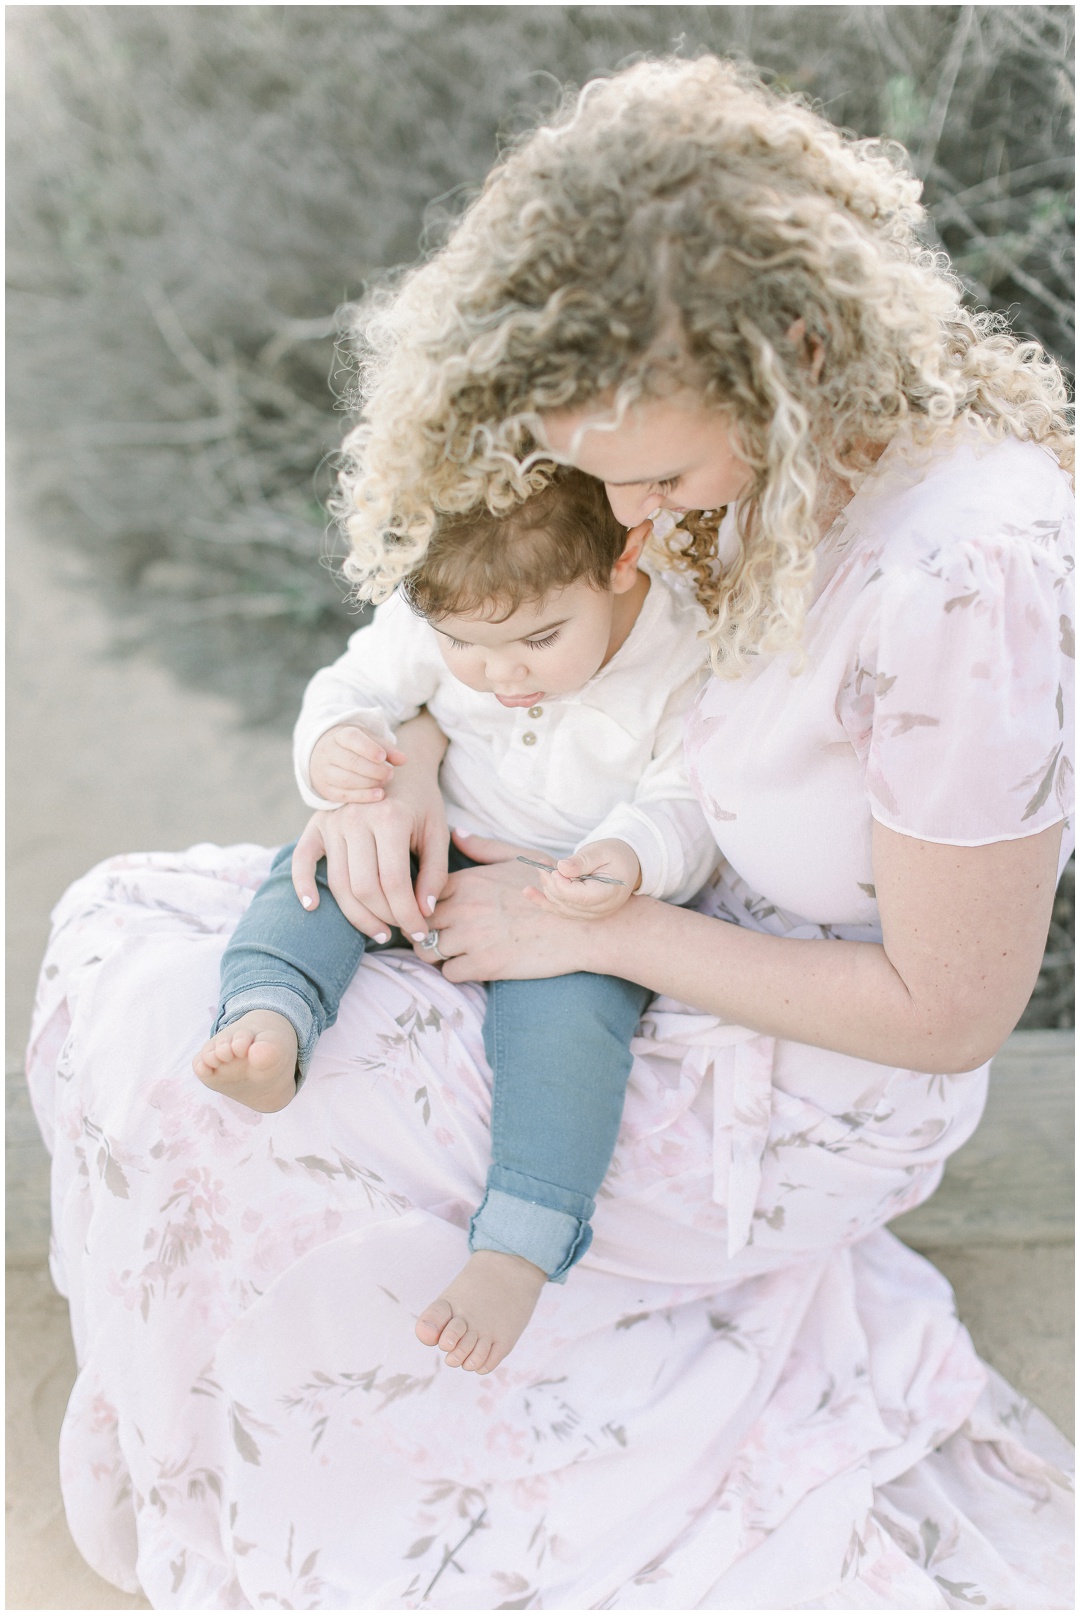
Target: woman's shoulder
[{"x": 931, "y": 508}]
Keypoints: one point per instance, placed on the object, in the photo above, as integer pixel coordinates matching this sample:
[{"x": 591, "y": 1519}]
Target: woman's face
[{"x": 671, "y": 453}]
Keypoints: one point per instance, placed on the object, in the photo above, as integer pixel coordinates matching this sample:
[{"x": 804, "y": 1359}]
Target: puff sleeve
[{"x": 960, "y": 699}]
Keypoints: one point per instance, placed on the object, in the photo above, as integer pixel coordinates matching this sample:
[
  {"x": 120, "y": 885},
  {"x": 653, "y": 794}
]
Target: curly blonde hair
[{"x": 679, "y": 225}]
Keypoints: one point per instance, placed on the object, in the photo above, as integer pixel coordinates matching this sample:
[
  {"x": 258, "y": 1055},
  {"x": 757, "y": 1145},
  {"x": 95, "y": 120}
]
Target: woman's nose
[{"x": 630, "y": 505}]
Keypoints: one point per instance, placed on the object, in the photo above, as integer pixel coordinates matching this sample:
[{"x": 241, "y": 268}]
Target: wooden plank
[{"x": 1012, "y": 1182}]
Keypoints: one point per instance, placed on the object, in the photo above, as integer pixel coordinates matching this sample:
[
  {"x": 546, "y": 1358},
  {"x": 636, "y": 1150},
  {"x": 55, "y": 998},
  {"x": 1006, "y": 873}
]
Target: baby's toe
[
  {"x": 211, "y": 1055},
  {"x": 264, "y": 1056},
  {"x": 432, "y": 1321},
  {"x": 494, "y": 1357},
  {"x": 466, "y": 1344},
  {"x": 476, "y": 1361}
]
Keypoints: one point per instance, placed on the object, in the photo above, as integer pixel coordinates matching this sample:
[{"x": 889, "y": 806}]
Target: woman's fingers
[
  {"x": 306, "y": 854},
  {"x": 395, "y": 879},
  {"x": 431, "y": 874},
  {"x": 486, "y": 849},
  {"x": 366, "y": 886},
  {"x": 345, "y": 877}
]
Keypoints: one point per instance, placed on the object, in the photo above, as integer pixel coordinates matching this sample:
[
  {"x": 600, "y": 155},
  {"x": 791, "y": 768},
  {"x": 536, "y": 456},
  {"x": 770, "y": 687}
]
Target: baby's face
[{"x": 550, "y": 647}]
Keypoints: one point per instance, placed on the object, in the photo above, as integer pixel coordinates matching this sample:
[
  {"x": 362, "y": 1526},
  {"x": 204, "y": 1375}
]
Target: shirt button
[
  {"x": 536, "y": 712},
  {"x": 528, "y": 738}
]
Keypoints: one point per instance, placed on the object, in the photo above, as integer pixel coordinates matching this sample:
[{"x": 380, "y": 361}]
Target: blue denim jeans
[{"x": 558, "y": 1049}]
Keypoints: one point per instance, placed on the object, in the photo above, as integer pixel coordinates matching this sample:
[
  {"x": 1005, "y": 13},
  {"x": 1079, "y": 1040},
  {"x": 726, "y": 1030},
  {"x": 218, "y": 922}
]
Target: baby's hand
[
  {"x": 568, "y": 894},
  {"x": 349, "y": 765}
]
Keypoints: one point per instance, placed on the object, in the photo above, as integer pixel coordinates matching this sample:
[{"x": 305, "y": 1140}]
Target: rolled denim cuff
[
  {"x": 295, "y": 1008},
  {"x": 552, "y": 1240}
]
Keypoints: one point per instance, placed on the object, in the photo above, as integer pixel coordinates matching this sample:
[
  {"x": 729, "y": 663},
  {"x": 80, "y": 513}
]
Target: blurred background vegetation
[{"x": 193, "y": 191}]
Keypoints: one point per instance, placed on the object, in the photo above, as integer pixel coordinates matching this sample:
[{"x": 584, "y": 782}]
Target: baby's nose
[{"x": 505, "y": 668}]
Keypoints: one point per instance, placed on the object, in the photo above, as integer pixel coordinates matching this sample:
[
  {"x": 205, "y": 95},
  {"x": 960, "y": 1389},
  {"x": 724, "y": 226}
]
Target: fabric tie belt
[{"x": 742, "y": 1064}]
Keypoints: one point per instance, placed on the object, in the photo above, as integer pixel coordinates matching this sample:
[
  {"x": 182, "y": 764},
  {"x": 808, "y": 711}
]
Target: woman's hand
[
  {"x": 367, "y": 847},
  {"x": 489, "y": 926}
]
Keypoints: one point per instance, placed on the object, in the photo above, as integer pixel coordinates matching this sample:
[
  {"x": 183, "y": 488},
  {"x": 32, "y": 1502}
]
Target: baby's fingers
[
  {"x": 347, "y": 772},
  {"x": 363, "y": 748},
  {"x": 339, "y": 788},
  {"x": 539, "y": 900},
  {"x": 571, "y": 896}
]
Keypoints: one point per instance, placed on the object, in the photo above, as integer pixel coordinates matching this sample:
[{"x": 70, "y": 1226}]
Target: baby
[{"x": 560, "y": 671}]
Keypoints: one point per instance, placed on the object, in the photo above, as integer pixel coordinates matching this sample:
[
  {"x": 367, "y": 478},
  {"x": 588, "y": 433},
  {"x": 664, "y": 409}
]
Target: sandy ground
[{"x": 110, "y": 756}]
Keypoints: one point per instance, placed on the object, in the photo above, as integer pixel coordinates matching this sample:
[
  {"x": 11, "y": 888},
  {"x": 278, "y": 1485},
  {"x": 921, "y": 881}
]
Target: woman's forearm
[
  {"x": 836, "y": 995},
  {"x": 964, "y": 930}
]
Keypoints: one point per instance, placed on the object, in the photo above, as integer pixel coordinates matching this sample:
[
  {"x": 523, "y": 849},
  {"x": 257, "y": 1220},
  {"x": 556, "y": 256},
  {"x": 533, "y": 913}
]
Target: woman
[{"x": 751, "y": 1396}]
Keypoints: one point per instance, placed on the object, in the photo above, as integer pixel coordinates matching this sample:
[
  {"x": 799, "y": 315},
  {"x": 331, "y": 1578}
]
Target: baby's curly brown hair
[{"x": 564, "y": 533}]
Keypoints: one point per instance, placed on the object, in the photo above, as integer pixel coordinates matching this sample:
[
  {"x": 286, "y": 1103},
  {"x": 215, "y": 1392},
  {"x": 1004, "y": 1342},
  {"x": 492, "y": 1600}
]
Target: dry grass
[{"x": 193, "y": 192}]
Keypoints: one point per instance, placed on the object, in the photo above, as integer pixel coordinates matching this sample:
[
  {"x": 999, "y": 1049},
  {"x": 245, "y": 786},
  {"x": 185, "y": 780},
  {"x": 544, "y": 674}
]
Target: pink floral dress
[{"x": 749, "y": 1395}]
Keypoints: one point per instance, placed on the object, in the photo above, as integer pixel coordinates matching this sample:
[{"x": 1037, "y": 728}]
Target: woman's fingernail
[
  {"x": 382, "y": 936},
  {"x": 430, "y": 901},
  {"x": 418, "y": 936},
  {"x": 307, "y": 901}
]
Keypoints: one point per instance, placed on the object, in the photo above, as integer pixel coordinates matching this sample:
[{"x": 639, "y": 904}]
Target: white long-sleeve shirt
[{"x": 605, "y": 761}]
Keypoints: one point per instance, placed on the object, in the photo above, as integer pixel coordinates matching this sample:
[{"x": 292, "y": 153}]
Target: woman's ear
[
  {"x": 624, "y": 572},
  {"x": 813, "y": 350}
]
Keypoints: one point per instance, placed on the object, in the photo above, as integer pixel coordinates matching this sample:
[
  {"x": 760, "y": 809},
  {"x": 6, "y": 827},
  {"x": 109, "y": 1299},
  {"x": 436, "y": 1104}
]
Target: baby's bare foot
[
  {"x": 253, "y": 1059},
  {"x": 481, "y": 1314}
]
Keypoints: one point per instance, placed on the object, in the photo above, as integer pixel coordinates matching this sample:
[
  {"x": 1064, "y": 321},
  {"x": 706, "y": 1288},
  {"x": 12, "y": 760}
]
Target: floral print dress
[{"x": 749, "y": 1395}]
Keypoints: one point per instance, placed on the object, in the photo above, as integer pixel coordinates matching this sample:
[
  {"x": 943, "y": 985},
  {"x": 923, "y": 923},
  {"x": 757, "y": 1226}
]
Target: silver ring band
[{"x": 431, "y": 945}]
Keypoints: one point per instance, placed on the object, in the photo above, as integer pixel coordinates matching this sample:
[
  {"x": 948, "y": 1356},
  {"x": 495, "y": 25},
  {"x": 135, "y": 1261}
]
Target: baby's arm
[
  {"x": 660, "y": 836},
  {"x": 571, "y": 894},
  {"x": 663, "y": 822},
  {"x": 345, "y": 733}
]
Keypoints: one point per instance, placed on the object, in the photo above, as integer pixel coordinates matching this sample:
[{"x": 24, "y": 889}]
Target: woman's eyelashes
[{"x": 667, "y": 484}]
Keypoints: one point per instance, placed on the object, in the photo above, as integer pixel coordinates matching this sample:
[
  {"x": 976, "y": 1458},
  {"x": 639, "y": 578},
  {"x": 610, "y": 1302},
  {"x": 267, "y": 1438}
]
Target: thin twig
[
  {"x": 152, "y": 434},
  {"x": 990, "y": 189},
  {"x": 939, "y": 108},
  {"x": 217, "y": 382}
]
